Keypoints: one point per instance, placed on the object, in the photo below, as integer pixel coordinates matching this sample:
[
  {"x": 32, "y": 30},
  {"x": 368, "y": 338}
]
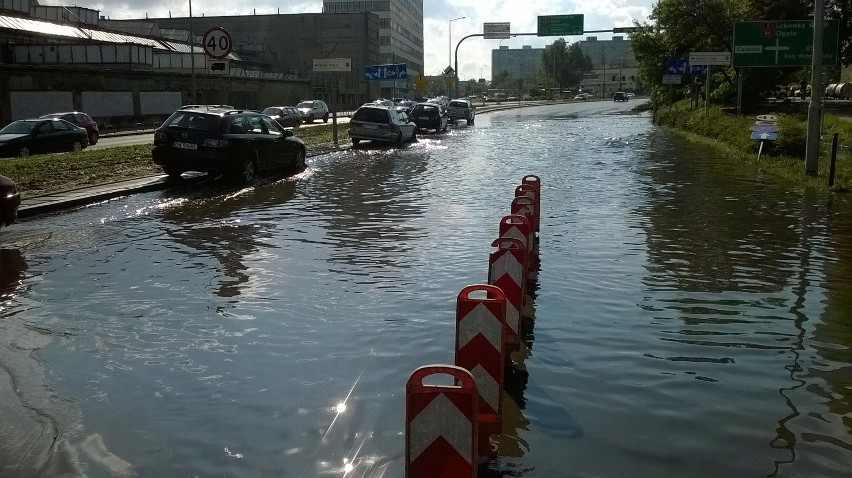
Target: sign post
[
  {"x": 217, "y": 43},
  {"x": 496, "y": 31},
  {"x": 333, "y": 65},
  {"x": 783, "y": 43}
]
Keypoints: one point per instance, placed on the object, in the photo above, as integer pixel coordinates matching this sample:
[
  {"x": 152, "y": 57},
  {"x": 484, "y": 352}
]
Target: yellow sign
[
  {"x": 449, "y": 80},
  {"x": 420, "y": 84}
]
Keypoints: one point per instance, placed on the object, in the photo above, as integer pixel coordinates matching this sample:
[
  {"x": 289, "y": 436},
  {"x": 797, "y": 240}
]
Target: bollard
[
  {"x": 441, "y": 435},
  {"x": 481, "y": 349},
  {"x": 506, "y": 270},
  {"x": 525, "y": 206}
]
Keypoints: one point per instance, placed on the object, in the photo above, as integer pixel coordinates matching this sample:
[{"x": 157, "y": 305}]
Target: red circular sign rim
[{"x": 230, "y": 43}]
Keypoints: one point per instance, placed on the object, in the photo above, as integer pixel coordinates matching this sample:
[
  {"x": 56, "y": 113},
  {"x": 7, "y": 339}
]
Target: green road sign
[
  {"x": 560, "y": 25},
  {"x": 782, "y": 43}
]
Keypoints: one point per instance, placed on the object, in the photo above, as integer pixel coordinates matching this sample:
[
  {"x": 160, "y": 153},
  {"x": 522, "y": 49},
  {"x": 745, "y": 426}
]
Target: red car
[
  {"x": 82, "y": 120},
  {"x": 10, "y": 199}
]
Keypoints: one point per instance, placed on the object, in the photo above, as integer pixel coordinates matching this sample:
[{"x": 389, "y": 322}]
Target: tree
[{"x": 565, "y": 64}]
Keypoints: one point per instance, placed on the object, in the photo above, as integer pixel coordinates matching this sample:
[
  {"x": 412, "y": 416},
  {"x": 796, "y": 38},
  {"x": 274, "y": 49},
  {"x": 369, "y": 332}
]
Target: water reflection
[{"x": 12, "y": 268}]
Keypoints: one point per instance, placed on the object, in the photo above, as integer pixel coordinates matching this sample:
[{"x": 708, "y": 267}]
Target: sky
[{"x": 474, "y": 54}]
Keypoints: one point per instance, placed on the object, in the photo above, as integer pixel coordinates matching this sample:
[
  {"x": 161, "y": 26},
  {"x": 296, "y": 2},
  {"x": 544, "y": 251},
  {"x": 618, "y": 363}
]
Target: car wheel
[
  {"x": 173, "y": 173},
  {"x": 24, "y": 152},
  {"x": 325, "y": 118},
  {"x": 470, "y": 121},
  {"x": 247, "y": 169},
  {"x": 77, "y": 146},
  {"x": 311, "y": 119},
  {"x": 93, "y": 139},
  {"x": 355, "y": 142},
  {"x": 300, "y": 160}
]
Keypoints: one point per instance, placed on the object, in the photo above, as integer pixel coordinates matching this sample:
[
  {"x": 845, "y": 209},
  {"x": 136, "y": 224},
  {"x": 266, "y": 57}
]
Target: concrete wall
[{"x": 32, "y": 104}]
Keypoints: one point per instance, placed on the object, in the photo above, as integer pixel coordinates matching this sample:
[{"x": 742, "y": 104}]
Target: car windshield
[
  {"x": 19, "y": 127},
  {"x": 305, "y": 104},
  {"x": 194, "y": 120},
  {"x": 371, "y": 115},
  {"x": 424, "y": 109},
  {"x": 272, "y": 111},
  {"x": 462, "y": 104}
]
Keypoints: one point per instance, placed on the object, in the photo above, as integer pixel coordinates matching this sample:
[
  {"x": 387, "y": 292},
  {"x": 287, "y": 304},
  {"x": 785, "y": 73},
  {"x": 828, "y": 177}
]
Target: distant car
[
  {"x": 41, "y": 135},
  {"x": 236, "y": 143},
  {"x": 441, "y": 100},
  {"x": 408, "y": 105},
  {"x": 313, "y": 109},
  {"x": 630, "y": 95},
  {"x": 461, "y": 109},
  {"x": 580, "y": 97},
  {"x": 10, "y": 200},
  {"x": 286, "y": 116},
  {"x": 381, "y": 123},
  {"x": 429, "y": 116},
  {"x": 82, "y": 120},
  {"x": 209, "y": 107},
  {"x": 620, "y": 96}
]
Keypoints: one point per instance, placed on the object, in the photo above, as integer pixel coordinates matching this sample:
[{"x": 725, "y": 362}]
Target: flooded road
[{"x": 689, "y": 321}]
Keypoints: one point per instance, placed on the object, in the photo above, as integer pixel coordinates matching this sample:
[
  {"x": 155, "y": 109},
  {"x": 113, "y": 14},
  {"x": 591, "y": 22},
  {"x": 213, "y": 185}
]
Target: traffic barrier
[
  {"x": 507, "y": 270},
  {"x": 535, "y": 181},
  {"x": 441, "y": 433},
  {"x": 519, "y": 227},
  {"x": 481, "y": 349},
  {"x": 530, "y": 191}
]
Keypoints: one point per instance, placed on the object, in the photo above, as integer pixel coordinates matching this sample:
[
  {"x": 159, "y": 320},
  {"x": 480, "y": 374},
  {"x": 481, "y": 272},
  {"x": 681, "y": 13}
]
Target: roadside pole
[
  {"x": 740, "y": 91},
  {"x": 815, "y": 108},
  {"x": 707, "y": 91}
]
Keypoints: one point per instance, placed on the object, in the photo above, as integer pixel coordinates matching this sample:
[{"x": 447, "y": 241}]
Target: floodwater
[{"x": 689, "y": 320}]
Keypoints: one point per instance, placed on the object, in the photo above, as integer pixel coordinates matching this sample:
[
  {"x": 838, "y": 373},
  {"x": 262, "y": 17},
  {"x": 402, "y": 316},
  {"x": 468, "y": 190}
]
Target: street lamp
[{"x": 450, "y": 50}]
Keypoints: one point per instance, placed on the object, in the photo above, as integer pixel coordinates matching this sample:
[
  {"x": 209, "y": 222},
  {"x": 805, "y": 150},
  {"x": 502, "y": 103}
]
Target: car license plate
[
  {"x": 371, "y": 126},
  {"x": 423, "y": 117},
  {"x": 180, "y": 145}
]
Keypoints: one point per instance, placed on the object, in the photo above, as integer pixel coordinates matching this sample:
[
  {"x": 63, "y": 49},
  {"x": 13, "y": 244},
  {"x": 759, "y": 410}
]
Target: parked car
[
  {"x": 461, "y": 109},
  {"x": 408, "y": 105},
  {"x": 286, "y": 116},
  {"x": 236, "y": 143},
  {"x": 41, "y": 135},
  {"x": 82, "y": 120},
  {"x": 620, "y": 96},
  {"x": 313, "y": 109},
  {"x": 10, "y": 200},
  {"x": 441, "y": 100},
  {"x": 381, "y": 123},
  {"x": 429, "y": 116}
]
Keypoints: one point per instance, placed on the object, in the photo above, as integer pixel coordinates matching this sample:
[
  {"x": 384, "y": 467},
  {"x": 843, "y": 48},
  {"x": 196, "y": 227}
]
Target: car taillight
[{"x": 216, "y": 143}]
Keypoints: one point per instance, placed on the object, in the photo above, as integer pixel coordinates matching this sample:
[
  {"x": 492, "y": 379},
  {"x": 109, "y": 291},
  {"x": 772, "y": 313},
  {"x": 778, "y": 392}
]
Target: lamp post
[
  {"x": 450, "y": 50},
  {"x": 192, "y": 55}
]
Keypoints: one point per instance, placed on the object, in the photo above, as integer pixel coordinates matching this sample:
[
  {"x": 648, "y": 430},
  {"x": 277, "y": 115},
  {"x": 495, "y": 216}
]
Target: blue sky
[{"x": 474, "y": 53}]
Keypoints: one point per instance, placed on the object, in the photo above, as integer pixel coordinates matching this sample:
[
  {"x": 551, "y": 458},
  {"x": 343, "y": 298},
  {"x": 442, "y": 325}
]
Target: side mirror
[{"x": 288, "y": 133}]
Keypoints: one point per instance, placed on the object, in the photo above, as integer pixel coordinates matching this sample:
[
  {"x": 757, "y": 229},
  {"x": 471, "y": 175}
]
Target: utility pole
[
  {"x": 192, "y": 56},
  {"x": 815, "y": 108}
]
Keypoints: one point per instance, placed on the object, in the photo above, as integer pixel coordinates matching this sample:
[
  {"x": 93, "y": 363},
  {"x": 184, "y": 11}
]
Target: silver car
[{"x": 388, "y": 124}]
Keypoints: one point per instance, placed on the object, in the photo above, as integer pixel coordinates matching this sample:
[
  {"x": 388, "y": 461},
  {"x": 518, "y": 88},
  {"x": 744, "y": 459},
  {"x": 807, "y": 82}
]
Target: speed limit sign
[{"x": 217, "y": 43}]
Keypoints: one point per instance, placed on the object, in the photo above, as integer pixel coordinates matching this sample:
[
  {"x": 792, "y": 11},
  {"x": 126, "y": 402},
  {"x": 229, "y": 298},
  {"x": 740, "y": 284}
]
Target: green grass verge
[
  {"x": 783, "y": 158},
  {"x": 49, "y": 173}
]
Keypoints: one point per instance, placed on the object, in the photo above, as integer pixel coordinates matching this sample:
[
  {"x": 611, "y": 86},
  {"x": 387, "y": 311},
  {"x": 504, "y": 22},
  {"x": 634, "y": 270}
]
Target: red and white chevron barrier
[
  {"x": 441, "y": 433},
  {"x": 534, "y": 182},
  {"x": 507, "y": 270},
  {"x": 481, "y": 349}
]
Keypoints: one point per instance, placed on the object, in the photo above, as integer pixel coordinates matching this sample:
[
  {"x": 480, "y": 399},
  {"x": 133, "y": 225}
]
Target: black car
[
  {"x": 429, "y": 116},
  {"x": 82, "y": 120},
  {"x": 35, "y": 136},
  {"x": 286, "y": 116},
  {"x": 236, "y": 143},
  {"x": 620, "y": 96}
]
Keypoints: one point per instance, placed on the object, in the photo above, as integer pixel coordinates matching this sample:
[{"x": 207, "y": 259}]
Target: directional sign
[
  {"x": 764, "y": 128},
  {"x": 217, "y": 43},
  {"x": 677, "y": 67},
  {"x": 332, "y": 64},
  {"x": 764, "y": 136},
  {"x": 710, "y": 58},
  {"x": 393, "y": 71},
  {"x": 496, "y": 31},
  {"x": 559, "y": 25},
  {"x": 698, "y": 70},
  {"x": 782, "y": 43},
  {"x": 671, "y": 79},
  {"x": 767, "y": 118}
]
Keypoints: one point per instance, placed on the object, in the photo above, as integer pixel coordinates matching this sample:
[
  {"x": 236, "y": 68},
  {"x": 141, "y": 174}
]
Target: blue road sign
[
  {"x": 699, "y": 70},
  {"x": 677, "y": 66},
  {"x": 392, "y": 71},
  {"x": 764, "y": 128},
  {"x": 764, "y": 136}
]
